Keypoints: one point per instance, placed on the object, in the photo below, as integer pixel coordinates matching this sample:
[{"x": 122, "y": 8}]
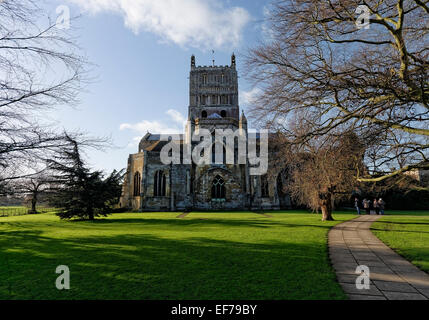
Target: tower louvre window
[{"x": 214, "y": 153}]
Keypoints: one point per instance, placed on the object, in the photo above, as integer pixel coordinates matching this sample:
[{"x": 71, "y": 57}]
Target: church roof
[
  {"x": 152, "y": 142},
  {"x": 157, "y": 137}
]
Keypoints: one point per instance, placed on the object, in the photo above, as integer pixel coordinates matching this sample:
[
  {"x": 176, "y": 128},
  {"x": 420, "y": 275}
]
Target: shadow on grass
[
  {"x": 405, "y": 223},
  {"x": 264, "y": 222},
  {"x": 398, "y": 231},
  {"x": 150, "y": 267}
]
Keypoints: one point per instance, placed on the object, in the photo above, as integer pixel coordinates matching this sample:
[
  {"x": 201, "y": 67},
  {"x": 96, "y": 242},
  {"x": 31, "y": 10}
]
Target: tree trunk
[
  {"x": 91, "y": 215},
  {"x": 326, "y": 214},
  {"x": 33, "y": 203},
  {"x": 326, "y": 206}
]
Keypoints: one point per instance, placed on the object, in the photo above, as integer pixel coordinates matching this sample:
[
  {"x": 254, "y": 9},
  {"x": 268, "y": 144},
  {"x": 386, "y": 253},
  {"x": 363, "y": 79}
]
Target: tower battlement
[{"x": 213, "y": 91}]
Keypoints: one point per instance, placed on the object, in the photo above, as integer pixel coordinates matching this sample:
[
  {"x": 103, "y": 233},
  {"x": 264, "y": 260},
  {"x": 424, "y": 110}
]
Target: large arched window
[
  {"x": 159, "y": 184},
  {"x": 264, "y": 186},
  {"x": 137, "y": 184},
  {"x": 218, "y": 188}
]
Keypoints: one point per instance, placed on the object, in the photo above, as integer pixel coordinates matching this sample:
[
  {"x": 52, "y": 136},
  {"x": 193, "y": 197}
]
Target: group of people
[{"x": 377, "y": 206}]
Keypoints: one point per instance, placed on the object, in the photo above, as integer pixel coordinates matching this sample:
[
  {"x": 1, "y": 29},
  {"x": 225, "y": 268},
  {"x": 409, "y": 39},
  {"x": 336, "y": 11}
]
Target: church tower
[{"x": 213, "y": 95}]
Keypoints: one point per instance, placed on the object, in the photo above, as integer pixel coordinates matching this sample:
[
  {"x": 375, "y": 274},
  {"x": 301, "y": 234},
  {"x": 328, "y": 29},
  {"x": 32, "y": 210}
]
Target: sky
[{"x": 141, "y": 53}]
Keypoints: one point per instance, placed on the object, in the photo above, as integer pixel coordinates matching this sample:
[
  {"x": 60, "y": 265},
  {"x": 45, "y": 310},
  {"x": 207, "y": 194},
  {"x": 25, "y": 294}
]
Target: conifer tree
[{"x": 82, "y": 193}]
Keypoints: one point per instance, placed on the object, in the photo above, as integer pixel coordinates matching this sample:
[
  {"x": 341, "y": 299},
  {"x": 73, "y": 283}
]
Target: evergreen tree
[{"x": 81, "y": 193}]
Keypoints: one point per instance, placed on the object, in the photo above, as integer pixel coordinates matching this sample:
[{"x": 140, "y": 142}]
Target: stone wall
[{"x": 135, "y": 164}]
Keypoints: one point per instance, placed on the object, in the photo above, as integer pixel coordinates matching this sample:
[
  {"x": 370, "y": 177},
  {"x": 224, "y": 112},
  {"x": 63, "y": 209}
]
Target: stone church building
[{"x": 150, "y": 185}]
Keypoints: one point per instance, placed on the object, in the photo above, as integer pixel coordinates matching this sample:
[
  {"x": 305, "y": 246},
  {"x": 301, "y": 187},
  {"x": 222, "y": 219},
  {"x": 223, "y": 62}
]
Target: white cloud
[
  {"x": 150, "y": 126},
  {"x": 267, "y": 31},
  {"x": 176, "y": 116},
  {"x": 248, "y": 98},
  {"x": 174, "y": 125},
  {"x": 203, "y": 24}
]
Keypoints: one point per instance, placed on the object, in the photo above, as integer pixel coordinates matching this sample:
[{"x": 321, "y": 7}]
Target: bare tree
[
  {"x": 35, "y": 187},
  {"x": 321, "y": 170},
  {"x": 40, "y": 68},
  {"x": 318, "y": 65}
]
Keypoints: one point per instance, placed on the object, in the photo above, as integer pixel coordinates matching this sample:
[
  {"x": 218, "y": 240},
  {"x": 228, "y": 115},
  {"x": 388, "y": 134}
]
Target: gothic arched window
[
  {"x": 137, "y": 184},
  {"x": 218, "y": 188},
  {"x": 159, "y": 184},
  {"x": 264, "y": 186}
]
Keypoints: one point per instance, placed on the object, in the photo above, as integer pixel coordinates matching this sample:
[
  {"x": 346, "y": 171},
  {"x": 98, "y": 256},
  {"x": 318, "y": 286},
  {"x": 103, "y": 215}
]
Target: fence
[{"x": 20, "y": 211}]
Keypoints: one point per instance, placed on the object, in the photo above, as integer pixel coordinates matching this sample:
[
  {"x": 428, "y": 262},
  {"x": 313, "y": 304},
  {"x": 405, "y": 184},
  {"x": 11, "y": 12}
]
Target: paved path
[
  {"x": 183, "y": 215},
  {"x": 392, "y": 277}
]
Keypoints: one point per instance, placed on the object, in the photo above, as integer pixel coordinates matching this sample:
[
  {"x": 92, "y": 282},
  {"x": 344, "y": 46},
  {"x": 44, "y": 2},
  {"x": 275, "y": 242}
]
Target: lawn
[
  {"x": 407, "y": 235},
  {"x": 157, "y": 256}
]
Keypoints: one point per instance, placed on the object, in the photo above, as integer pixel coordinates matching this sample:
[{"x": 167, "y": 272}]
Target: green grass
[
  {"x": 156, "y": 256},
  {"x": 407, "y": 213},
  {"x": 407, "y": 235}
]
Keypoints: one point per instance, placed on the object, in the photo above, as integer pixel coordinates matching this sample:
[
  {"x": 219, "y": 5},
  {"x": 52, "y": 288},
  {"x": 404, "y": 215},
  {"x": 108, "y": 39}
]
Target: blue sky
[{"x": 142, "y": 51}]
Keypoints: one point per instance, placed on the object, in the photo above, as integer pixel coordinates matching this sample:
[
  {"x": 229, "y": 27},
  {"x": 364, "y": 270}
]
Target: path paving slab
[
  {"x": 365, "y": 297},
  {"x": 394, "y": 286},
  {"x": 391, "y": 276},
  {"x": 390, "y": 295},
  {"x": 424, "y": 292},
  {"x": 350, "y": 288}
]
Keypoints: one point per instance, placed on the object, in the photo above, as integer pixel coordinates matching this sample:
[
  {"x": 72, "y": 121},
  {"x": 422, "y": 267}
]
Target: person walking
[
  {"x": 382, "y": 205},
  {"x": 376, "y": 207},
  {"x": 366, "y": 205},
  {"x": 357, "y": 205}
]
